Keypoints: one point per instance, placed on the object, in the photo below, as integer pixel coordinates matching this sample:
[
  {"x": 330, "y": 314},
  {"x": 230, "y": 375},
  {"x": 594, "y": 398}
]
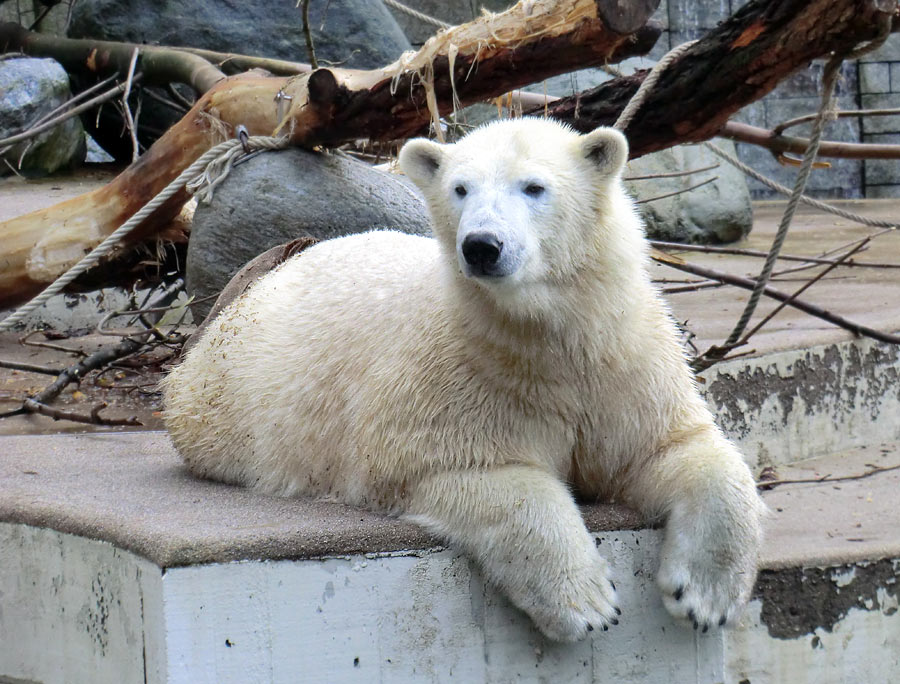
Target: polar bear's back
[{"x": 264, "y": 398}]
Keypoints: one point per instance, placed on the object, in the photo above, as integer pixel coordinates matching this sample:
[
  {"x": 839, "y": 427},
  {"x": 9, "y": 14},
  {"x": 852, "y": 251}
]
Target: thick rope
[
  {"x": 210, "y": 168},
  {"x": 829, "y": 81},
  {"x": 648, "y": 84},
  {"x": 421, "y": 16},
  {"x": 806, "y": 199}
]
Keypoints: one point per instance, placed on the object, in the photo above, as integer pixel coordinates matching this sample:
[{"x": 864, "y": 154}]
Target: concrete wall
[
  {"x": 798, "y": 404},
  {"x": 79, "y": 611}
]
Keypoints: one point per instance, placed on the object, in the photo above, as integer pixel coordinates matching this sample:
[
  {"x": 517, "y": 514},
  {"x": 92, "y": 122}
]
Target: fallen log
[
  {"x": 737, "y": 63},
  {"x": 462, "y": 65}
]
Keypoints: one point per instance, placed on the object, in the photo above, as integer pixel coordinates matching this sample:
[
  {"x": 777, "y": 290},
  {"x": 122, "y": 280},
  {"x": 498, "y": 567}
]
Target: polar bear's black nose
[{"x": 481, "y": 251}]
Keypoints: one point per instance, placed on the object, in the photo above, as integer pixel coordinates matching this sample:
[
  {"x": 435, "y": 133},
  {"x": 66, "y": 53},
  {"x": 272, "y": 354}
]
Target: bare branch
[
  {"x": 873, "y": 470},
  {"x": 33, "y": 406},
  {"x": 674, "y": 174},
  {"x": 129, "y": 120},
  {"x": 779, "y": 144},
  {"x": 749, "y": 284},
  {"x": 659, "y": 244},
  {"x": 840, "y": 114},
  {"x": 29, "y": 367},
  {"x": 307, "y": 34},
  {"x": 678, "y": 192}
]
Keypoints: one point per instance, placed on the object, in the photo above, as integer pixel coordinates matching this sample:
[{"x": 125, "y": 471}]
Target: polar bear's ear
[
  {"x": 607, "y": 149},
  {"x": 420, "y": 159}
]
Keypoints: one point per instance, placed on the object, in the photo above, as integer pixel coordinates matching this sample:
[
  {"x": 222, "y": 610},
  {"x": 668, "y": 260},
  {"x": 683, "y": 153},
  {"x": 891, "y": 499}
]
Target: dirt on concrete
[{"x": 128, "y": 387}]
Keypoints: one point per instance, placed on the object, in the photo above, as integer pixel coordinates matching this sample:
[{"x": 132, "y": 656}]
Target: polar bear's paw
[
  {"x": 707, "y": 587},
  {"x": 567, "y": 607}
]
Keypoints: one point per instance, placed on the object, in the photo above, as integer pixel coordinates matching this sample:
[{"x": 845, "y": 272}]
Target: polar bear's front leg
[
  {"x": 522, "y": 527},
  {"x": 707, "y": 495}
]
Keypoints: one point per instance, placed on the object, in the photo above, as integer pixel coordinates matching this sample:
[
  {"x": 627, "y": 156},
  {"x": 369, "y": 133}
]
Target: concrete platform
[{"x": 119, "y": 567}]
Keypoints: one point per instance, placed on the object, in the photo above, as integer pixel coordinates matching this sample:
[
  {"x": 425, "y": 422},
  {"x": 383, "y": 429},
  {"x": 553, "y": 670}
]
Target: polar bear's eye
[
  {"x": 460, "y": 190},
  {"x": 534, "y": 189}
]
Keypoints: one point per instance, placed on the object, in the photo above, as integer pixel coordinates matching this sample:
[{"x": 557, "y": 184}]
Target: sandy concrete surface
[{"x": 130, "y": 489}]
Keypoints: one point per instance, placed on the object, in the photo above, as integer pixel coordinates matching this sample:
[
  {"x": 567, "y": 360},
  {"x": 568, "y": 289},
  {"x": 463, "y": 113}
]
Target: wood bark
[
  {"x": 737, "y": 63},
  {"x": 474, "y": 62}
]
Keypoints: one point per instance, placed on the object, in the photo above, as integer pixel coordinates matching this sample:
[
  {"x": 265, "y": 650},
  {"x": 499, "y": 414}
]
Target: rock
[
  {"x": 278, "y": 196},
  {"x": 418, "y": 31},
  {"x": 29, "y": 89},
  {"x": 359, "y": 34},
  {"x": 717, "y": 212},
  {"x": 95, "y": 153}
]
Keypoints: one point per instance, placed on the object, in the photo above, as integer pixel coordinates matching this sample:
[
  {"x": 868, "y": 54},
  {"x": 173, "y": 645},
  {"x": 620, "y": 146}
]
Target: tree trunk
[{"x": 737, "y": 63}]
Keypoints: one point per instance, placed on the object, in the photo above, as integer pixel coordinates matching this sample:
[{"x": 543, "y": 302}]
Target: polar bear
[{"x": 473, "y": 382}]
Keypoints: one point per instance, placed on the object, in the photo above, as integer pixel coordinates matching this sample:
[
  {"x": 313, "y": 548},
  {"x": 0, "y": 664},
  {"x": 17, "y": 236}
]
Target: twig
[
  {"x": 873, "y": 470},
  {"x": 678, "y": 192},
  {"x": 847, "y": 245},
  {"x": 841, "y": 113},
  {"x": 659, "y": 244},
  {"x": 674, "y": 174},
  {"x": 178, "y": 97},
  {"x": 307, "y": 33},
  {"x": 749, "y": 284},
  {"x": 40, "y": 17},
  {"x": 166, "y": 101},
  {"x": 693, "y": 287},
  {"x": 48, "y": 345},
  {"x": 129, "y": 121},
  {"x": 34, "y": 406},
  {"x": 809, "y": 283},
  {"x": 29, "y": 367}
]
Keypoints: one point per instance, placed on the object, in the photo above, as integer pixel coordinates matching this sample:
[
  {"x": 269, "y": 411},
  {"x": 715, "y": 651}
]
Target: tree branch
[
  {"x": 737, "y": 63},
  {"x": 779, "y": 144},
  {"x": 749, "y": 284},
  {"x": 873, "y": 470}
]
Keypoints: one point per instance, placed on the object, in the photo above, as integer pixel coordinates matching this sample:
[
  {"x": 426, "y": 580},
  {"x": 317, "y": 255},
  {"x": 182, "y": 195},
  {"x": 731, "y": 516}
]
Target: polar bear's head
[{"x": 518, "y": 204}]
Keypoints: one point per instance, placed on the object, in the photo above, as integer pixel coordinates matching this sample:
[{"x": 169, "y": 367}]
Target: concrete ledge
[
  {"x": 796, "y": 404},
  {"x": 78, "y": 611},
  {"x": 131, "y": 490}
]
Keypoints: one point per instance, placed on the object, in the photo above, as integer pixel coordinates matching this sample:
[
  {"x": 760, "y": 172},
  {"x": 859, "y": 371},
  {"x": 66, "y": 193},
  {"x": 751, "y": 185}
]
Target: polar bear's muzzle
[
  {"x": 489, "y": 254},
  {"x": 481, "y": 252}
]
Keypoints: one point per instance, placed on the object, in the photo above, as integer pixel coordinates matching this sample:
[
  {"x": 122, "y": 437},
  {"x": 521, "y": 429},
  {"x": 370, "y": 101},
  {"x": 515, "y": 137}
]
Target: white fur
[{"x": 376, "y": 370}]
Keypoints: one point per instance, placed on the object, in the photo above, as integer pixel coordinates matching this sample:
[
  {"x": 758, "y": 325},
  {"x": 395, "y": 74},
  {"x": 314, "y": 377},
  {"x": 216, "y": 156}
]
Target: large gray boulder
[
  {"x": 29, "y": 89},
  {"x": 359, "y": 34},
  {"x": 279, "y": 196},
  {"x": 714, "y": 213}
]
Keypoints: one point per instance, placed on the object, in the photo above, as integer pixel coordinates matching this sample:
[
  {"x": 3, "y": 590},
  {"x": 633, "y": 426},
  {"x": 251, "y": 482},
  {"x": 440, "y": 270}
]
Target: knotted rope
[{"x": 201, "y": 177}]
